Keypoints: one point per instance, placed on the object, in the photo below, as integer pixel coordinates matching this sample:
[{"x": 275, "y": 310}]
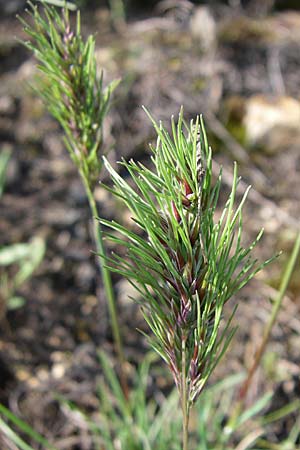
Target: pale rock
[
  {"x": 7, "y": 105},
  {"x": 272, "y": 123},
  {"x": 203, "y": 27},
  {"x": 126, "y": 292},
  {"x": 42, "y": 374},
  {"x": 58, "y": 370}
]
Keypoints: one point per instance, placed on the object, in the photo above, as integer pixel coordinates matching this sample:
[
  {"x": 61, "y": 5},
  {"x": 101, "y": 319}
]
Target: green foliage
[
  {"x": 61, "y": 3},
  {"x": 186, "y": 266},
  {"x": 70, "y": 85},
  {"x": 23, "y": 427},
  {"x": 73, "y": 93},
  {"x": 4, "y": 160},
  {"x": 26, "y": 257},
  {"x": 153, "y": 423},
  {"x": 139, "y": 423}
]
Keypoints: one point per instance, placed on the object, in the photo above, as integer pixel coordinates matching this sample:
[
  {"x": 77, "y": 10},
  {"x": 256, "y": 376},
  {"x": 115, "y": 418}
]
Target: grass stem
[
  {"x": 275, "y": 310},
  {"x": 267, "y": 332},
  {"x": 184, "y": 399},
  {"x": 108, "y": 287}
]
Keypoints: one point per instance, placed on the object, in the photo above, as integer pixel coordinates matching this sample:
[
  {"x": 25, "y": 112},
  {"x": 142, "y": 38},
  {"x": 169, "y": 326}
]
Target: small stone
[
  {"x": 89, "y": 304},
  {"x": 42, "y": 374},
  {"x": 7, "y": 105},
  {"x": 55, "y": 341},
  {"x": 58, "y": 370},
  {"x": 126, "y": 292},
  {"x": 203, "y": 27},
  {"x": 85, "y": 275},
  {"x": 33, "y": 382},
  {"x": 63, "y": 239},
  {"x": 60, "y": 216},
  {"x": 57, "y": 356},
  {"x": 22, "y": 375},
  {"x": 266, "y": 117}
]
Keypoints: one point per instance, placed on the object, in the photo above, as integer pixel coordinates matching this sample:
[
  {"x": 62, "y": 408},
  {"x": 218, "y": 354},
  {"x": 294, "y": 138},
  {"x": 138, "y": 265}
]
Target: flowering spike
[{"x": 188, "y": 266}]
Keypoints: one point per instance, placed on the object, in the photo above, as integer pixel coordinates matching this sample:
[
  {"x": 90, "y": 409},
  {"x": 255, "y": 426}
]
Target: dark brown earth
[{"x": 215, "y": 61}]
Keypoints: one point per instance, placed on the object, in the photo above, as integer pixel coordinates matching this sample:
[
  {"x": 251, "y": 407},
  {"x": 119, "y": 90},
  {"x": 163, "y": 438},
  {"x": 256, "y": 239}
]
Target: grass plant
[
  {"x": 185, "y": 264},
  {"x": 73, "y": 92}
]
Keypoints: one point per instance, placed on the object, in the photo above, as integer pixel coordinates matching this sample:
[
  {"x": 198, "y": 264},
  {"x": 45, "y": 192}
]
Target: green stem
[
  {"x": 108, "y": 287},
  {"x": 184, "y": 399},
  {"x": 275, "y": 310},
  {"x": 267, "y": 332}
]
